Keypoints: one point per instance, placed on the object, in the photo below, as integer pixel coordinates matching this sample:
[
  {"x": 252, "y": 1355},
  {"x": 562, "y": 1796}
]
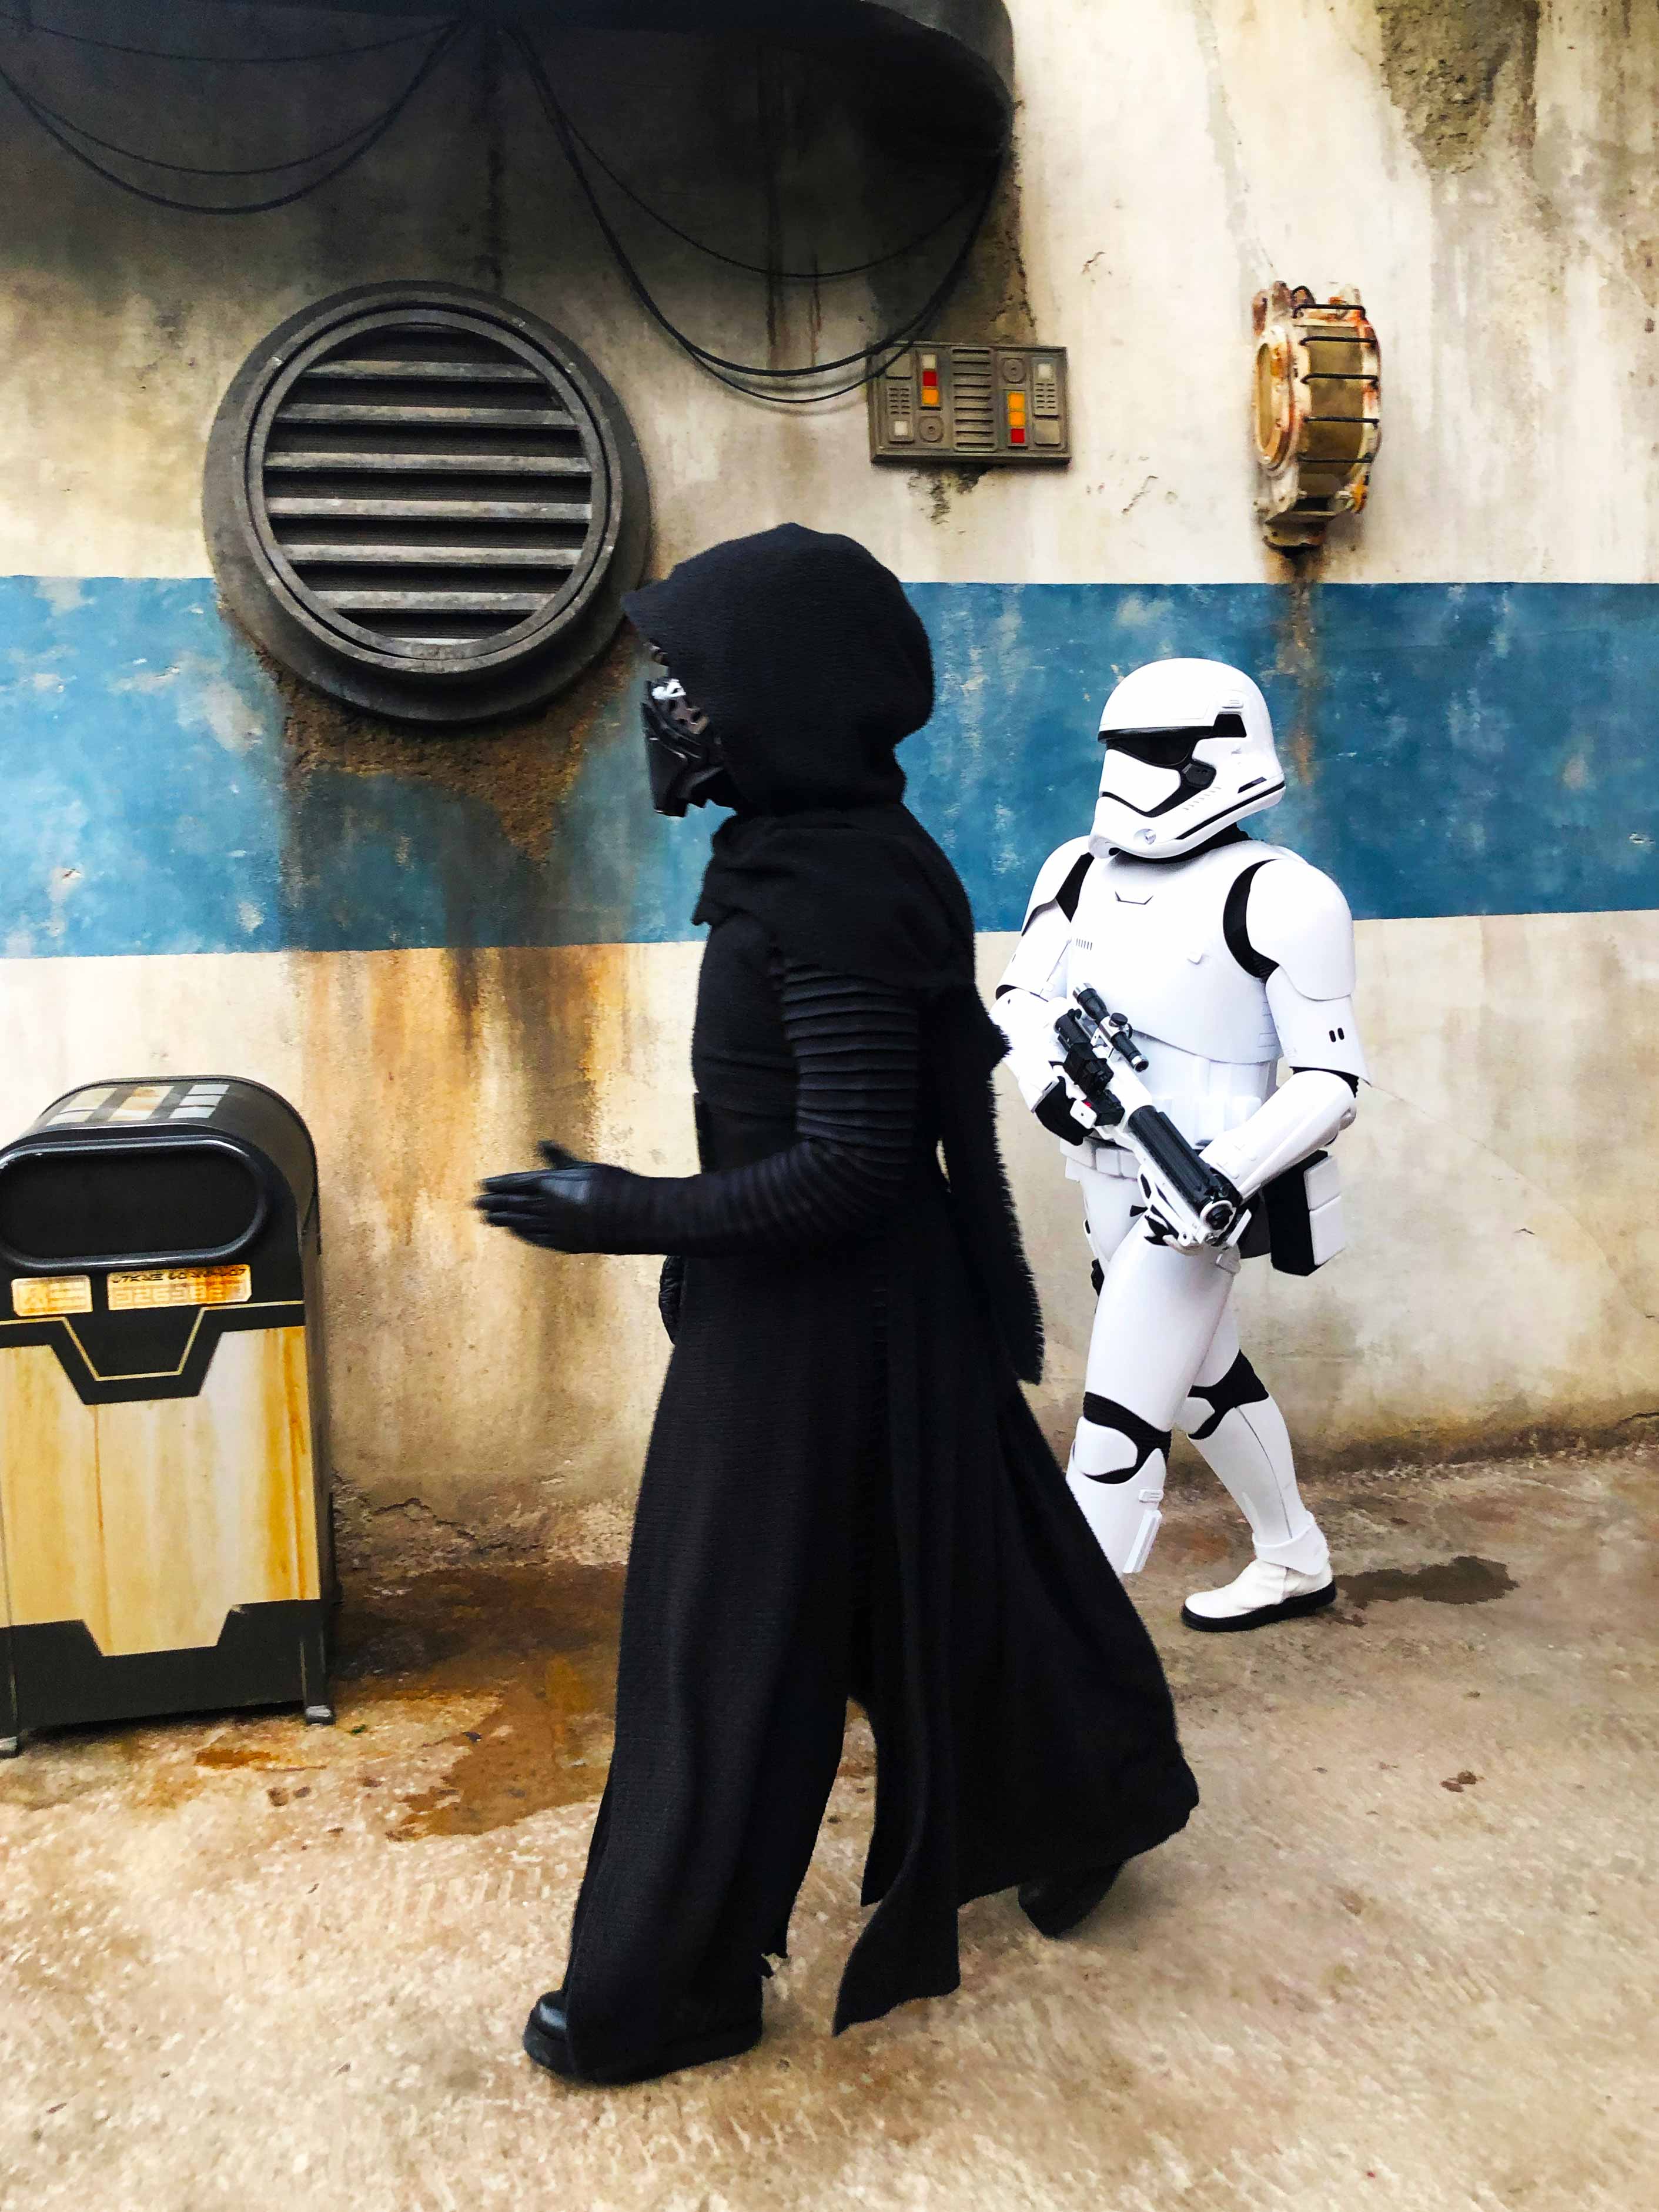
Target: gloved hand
[
  {"x": 1160, "y": 1231},
  {"x": 1065, "y": 1112},
  {"x": 558, "y": 1207}
]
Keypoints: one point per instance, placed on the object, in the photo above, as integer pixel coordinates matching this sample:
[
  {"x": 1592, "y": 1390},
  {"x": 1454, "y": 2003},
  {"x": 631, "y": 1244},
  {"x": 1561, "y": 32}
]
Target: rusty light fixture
[{"x": 1317, "y": 410}]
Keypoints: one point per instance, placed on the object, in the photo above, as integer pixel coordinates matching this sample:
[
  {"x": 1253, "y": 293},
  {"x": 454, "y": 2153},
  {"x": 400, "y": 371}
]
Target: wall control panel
[{"x": 974, "y": 404}]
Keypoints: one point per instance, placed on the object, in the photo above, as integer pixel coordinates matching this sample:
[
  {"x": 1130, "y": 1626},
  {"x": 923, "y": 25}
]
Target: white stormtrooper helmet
[{"x": 1189, "y": 748}]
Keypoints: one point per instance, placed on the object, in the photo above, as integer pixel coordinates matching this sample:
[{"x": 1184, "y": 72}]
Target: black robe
[{"x": 845, "y": 1493}]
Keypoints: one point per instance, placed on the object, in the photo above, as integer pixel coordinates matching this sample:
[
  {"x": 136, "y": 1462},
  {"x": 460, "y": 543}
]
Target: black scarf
[{"x": 811, "y": 666}]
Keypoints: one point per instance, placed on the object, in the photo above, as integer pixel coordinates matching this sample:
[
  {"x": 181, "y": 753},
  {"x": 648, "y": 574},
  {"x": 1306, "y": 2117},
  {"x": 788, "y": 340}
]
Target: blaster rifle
[{"x": 1102, "y": 1059}]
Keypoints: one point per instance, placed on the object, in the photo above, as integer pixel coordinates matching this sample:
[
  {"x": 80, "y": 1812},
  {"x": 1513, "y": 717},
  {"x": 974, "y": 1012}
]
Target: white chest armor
[{"x": 1149, "y": 936}]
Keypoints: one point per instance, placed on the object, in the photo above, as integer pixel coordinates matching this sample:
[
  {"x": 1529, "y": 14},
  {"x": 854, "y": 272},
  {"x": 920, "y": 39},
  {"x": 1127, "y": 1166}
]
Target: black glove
[
  {"x": 671, "y": 1289},
  {"x": 559, "y": 1207},
  {"x": 1054, "y": 1111},
  {"x": 1159, "y": 1230}
]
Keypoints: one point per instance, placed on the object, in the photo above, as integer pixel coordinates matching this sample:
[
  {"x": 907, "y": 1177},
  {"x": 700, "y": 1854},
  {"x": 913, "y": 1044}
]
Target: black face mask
[{"x": 683, "y": 760}]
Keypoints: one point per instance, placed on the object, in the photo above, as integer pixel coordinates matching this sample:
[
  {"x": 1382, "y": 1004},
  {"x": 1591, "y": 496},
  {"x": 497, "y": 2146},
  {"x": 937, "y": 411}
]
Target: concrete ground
[{"x": 1405, "y": 1954}]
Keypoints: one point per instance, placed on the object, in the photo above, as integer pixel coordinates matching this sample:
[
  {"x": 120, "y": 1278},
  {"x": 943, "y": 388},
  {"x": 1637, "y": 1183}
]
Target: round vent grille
[{"x": 425, "y": 500}]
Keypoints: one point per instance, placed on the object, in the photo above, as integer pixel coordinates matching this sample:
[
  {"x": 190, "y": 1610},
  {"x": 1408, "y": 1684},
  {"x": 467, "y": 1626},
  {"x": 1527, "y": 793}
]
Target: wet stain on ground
[
  {"x": 504, "y": 1671},
  {"x": 262, "y": 1757},
  {"x": 541, "y": 1640},
  {"x": 1467, "y": 1580}
]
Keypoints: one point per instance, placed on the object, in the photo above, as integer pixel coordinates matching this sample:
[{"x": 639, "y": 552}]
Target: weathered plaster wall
[
  {"x": 442, "y": 949},
  {"x": 1486, "y": 169}
]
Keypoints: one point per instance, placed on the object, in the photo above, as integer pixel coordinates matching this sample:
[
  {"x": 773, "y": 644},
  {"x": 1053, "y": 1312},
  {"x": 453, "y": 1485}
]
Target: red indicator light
[
  {"x": 1016, "y": 434},
  {"x": 930, "y": 378}
]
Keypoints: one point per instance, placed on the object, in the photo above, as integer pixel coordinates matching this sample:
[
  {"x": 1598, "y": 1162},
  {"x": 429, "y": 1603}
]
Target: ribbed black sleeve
[{"x": 855, "y": 1046}]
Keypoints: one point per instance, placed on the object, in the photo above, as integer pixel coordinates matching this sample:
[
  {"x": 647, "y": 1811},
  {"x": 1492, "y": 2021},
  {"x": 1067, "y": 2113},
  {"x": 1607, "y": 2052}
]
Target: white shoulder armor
[
  {"x": 1054, "y": 874},
  {"x": 1296, "y": 918}
]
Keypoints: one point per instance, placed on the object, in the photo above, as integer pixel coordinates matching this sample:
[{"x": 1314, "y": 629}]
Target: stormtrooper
[{"x": 1227, "y": 956}]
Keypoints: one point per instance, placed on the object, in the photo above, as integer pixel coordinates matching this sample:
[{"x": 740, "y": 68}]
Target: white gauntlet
[{"x": 1303, "y": 1116}]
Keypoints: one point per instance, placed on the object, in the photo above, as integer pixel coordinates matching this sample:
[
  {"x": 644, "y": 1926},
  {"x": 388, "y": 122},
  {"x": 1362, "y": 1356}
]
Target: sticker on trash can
[
  {"x": 180, "y": 1287},
  {"x": 138, "y": 1105},
  {"x": 35, "y": 1297}
]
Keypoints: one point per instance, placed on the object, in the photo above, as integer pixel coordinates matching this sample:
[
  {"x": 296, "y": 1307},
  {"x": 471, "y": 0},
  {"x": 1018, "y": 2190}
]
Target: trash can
[{"x": 165, "y": 1540}]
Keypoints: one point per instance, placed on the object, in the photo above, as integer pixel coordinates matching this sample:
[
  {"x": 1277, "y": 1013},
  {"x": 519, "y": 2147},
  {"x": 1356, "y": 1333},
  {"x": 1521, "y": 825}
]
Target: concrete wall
[{"x": 441, "y": 949}]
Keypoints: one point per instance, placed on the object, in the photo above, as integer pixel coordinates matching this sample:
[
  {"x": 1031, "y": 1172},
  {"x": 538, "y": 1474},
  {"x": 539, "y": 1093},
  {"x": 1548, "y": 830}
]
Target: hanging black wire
[
  {"x": 361, "y": 143},
  {"x": 761, "y": 267},
  {"x": 744, "y": 376},
  {"x": 30, "y": 24},
  {"x": 193, "y": 168}
]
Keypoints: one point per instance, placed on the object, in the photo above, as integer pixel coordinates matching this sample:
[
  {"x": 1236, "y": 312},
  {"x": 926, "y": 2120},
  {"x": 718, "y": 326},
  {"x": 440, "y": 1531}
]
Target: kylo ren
[{"x": 846, "y": 1495}]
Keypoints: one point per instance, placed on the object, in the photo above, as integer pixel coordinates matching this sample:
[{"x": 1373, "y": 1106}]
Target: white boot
[
  {"x": 1238, "y": 1429},
  {"x": 1263, "y": 1593}
]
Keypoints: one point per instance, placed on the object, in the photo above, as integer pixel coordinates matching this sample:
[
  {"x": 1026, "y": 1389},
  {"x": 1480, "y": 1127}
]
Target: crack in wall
[{"x": 1463, "y": 1132}]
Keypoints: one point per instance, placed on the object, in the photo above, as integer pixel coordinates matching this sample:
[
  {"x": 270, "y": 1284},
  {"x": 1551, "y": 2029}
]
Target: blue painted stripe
[{"x": 1465, "y": 749}]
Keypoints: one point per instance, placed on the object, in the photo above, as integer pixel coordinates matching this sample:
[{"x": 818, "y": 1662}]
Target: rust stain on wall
[
  {"x": 522, "y": 770},
  {"x": 464, "y": 1366},
  {"x": 1299, "y": 656},
  {"x": 465, "y": 1369},
  {"x": 1442, "y": 61}
]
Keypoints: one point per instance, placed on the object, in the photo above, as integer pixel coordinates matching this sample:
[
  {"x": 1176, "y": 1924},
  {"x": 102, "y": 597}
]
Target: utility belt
[{"x": 1296, "y": 1220}]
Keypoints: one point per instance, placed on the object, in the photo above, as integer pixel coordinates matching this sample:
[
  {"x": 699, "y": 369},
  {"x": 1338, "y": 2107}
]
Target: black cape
[{"x": 844, "y": 1491}]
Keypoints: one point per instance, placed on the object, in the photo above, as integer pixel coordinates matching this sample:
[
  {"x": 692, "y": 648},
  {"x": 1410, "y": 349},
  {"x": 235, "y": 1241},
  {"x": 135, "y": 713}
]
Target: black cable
[
  {"x": 875, "y": 355},
  {"x": 191, "y": 169},
  {"x": 891, "y": 344},
  {"x": 564, "y": 131},
  {"x": 760, "y": 268},
  {"x": 374, "y": 133},
  {"x": 167, "y": 54}
]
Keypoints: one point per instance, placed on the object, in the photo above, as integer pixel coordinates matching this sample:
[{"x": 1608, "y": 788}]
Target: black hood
[
  {"x": 811, "y": 665},
  {"x": 806, "y": 657}
]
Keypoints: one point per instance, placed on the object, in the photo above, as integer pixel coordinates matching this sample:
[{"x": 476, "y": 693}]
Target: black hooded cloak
[{"x": 845, "y": 1492}]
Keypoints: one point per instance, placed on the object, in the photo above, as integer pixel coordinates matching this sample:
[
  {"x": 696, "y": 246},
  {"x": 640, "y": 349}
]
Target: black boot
[
  {"x": 701, "y": 2030},
  {"x": 1059, "y": 1902}
]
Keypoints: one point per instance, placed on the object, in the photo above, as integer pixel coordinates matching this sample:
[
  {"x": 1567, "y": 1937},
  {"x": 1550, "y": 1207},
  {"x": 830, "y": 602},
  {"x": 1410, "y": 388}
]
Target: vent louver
[
  {"x": 971, "y": 398},
  {"x": 427, "y": 502}
]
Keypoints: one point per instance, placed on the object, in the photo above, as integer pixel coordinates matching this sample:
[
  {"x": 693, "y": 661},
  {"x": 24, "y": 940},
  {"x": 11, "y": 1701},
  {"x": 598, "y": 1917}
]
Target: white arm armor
[
  {"x": 1033, "y": 989},
  {"x": 1300, "y": 929},
  {"x": 1303, "y": 1115},
  {"x": 1299, "y": 920}
]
